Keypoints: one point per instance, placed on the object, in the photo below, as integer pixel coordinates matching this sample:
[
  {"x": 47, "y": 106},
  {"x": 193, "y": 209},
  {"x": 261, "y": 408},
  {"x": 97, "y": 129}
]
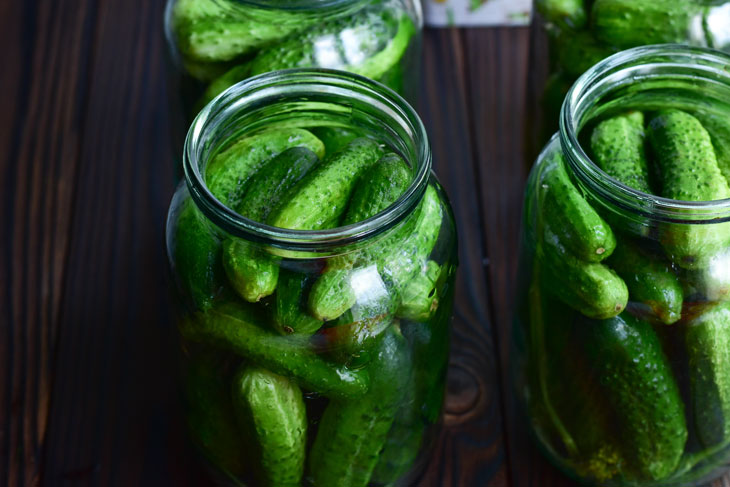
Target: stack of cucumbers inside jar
[
  {"x": 622, "y": 342},
  {"x": 314, "y": 255},
  {"x": 583, "y": 32},
  {"x": 217, "y": 43}
]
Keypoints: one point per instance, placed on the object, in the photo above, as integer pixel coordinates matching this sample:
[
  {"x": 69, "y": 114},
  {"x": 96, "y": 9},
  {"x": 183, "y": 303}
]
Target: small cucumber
[
  {"x": 352, "y": 432},
  {"x": 270, "y": 408},
  {"x": 639, "y": 386},
  {"x": 651, "y": 282},
  {"x": 377, "y": 188},
  {"x": 232, "y": 326},
  {"x": 577, "y": 52},
  {"x": 335, "y": 138},
  {"x": 707, "y": 341},
  {"x": 196, "y": 252},
  {"x": 398, "y": 258},
  {"x": 229, "y": 170},
  {"x": 719, "y": 130},
  {"x": 712, "y": 282},
  {"x": 420, "y": 300},
  {"x": 618, "y": 147},
  {"x": 574, "y": 222},
  {"x": 563, "y": 13},
  {"x": 322, "y": 195},
  {"x": 222, "y": 83},
  {"x": 630, "y": 23},
  {"x": 590, "y": 288},
  {"x": 684, "y": 153},
  {"x": 351, "y": 338},
  {"x": 290, "y": 315},
  {"x": 251, "y": 272}
]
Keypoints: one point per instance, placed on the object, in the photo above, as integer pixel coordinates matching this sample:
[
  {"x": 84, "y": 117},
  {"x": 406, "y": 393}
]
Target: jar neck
[
  {"x": 306, "y": 98},
  {"x": 646, "y": 78},
  {"x": 316, "y": 7}
]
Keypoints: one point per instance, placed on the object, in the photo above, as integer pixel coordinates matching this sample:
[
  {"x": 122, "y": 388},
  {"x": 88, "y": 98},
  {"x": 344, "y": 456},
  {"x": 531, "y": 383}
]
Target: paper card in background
[{"x": 445, "y": 13}]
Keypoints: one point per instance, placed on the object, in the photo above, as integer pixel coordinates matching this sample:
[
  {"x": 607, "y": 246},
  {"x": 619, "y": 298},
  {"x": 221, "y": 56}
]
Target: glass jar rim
[
  {"x": 291, "y": 83},
  {"x": 622, "y": 66},
  {"x": 296, "y": 5}
]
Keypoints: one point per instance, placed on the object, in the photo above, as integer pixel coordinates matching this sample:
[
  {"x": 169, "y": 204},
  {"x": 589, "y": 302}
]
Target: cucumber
[
  {"x": 617, "y": 144},
  {"x": 707, "y": 341},
  {"x": 684, "y": 153},
  {"x": 251, "y": 272},
  {"x": 575, "y": 223},
  {"x": 222, "y": 82},
  {"x": 398, "y": 258},
  {"x": 322, "y": 195},
  {"x": 335, "y": 138},
  {"x": 209, "y": 412},
  {"x": 630, "y": 23},
  {"x": 229, "y": 170},
  {"x": 352, "y": 432},
  {"x": 232, "y": 326},
  {"x": 378, "y": 188},
  {"x": 196, "y": 252},
  {"x": 569, "y": 14},
  {"x": 651, "y": 282},
  {"x": 711, "y": 283},
  {"x": 590, "y": 288},
  {"x": 270, "y": 408},
  {"x": 577, "y": 52},
  {"x": 290, "y": 315},
  {"x": 375, "y": 41},
  {"x": 638, "y": 385},
  {"x": 420, "y": 300},
  {"x": 719, "y": 130}
]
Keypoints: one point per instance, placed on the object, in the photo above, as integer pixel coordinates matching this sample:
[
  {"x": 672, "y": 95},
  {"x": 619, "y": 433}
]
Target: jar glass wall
[
  {"x": 621, "y": 343},
  {"x": 311, "y": 356}
]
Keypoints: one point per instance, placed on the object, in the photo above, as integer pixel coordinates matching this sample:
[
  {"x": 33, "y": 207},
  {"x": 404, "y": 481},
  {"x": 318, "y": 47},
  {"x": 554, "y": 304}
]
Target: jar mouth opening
[
  {"x": 296, "y": 5},
  {"x": 620, "y": 70},
  {"x": 344, "y": 91}
]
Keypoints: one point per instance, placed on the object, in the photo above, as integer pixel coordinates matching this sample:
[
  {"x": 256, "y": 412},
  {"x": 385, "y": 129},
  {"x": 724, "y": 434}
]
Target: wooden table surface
[{"x": 87, "y": 391}]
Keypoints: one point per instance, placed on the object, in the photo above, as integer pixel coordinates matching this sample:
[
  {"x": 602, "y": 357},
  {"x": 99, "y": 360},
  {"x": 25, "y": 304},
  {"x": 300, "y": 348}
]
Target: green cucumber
[
  {"x": 419, "y": 300},
  {"x": 577, "y": 52},
  {"x": 228, "y": 171},
  {"x": 353, "y": 432},
  {"x": 574, "y": 222},
  {"x": 707, "y": 340},
  {"x": 290, "y": 315},
  {"x": 684, "y": 153},
  {"x": 251, "y": 272},
  {"x": 376, "y": 40},
  {"x": 233, "y": 327},
  {"x": 196, "y": 252},
  {"x": 222, "y": 82},
  {"x": 590, "y": 288},
  {"x": 563, "y": 13},
  {"x": 398, "y": 258},
  {"x": 651, "y": 282},
  {"x": 617, "y": 144},
  {"x": 270, "y": 408},
  {"x": 719, "y": 130},
  {"x": 322, "y": 195},
  {"x": 630, "y": 23},
  {"x": 335, "y": 138},
  {"x": 638, "y": 384},
  {"x": 712, "y": 282}
]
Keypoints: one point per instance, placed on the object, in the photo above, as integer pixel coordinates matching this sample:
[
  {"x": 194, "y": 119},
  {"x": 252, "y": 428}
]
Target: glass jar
[
  {"x": 274, "y": 386},
  {"x": 216, "y": 43},
  {"x": 580, "y": 33},
  {"x": 621, "y": 340}
]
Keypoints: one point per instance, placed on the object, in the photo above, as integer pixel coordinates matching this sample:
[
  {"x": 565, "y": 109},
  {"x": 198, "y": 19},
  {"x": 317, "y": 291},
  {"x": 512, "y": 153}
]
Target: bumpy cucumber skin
[
  {"x": 719, "y": 130},
  {"x": 591, "y": 288},
  {"x": 271, "y": 408},
  {"x": 229, "y": 170},
  {"x": 564, "y": 13},
  {"x": 419, "y": 299},
  {"x": 377, "y": 188},
  {"x": 232, "y": 326},
  {"x": 352, "y": 433},
  {"x": 196, "y": 255},
  {"x": 290, "y": 315},
  {"x": 252, "y": 274},
  {"x": 638, "y": 384},
  {"x": 650, "y": 281},
  {"x": 335, "y": 138},
  {"x": 323, "y": 194},
  {"x": 707, "y": 341},
  {"x": 684, "y": 153},
  {"x": 618, "y": 147},
  {"x": 575, "y": 223},
  {"x": 630, "y": 23}
]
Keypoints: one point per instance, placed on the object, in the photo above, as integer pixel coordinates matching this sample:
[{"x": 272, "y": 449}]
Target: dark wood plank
[{"x": 471, "y": 451}]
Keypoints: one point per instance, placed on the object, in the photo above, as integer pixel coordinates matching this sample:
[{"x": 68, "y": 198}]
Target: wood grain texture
[{"x": 87, "y": 394}]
